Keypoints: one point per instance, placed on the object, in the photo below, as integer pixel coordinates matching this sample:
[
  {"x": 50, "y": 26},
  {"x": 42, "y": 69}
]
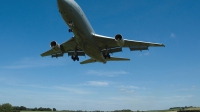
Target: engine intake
[
  {"x": 55, "y": 46},
  {"x": 119, "y": 39},
  {"x": 53, "y": 43}
]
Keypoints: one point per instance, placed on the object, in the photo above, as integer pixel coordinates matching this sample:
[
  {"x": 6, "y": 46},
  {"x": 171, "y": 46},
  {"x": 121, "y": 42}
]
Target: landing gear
[
  {"x": 106, "y": 55},
  {"x": 74, "y": 58},
  {"x": 70, "y": 30},
  {"x": 71, "y": 23}
]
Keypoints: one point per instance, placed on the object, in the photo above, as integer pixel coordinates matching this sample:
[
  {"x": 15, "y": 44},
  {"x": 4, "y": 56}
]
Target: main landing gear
[
  {"x": 75, "y": 57},
  {"x": 70, "y": 30},
  {"x": 106, "y": 55}
]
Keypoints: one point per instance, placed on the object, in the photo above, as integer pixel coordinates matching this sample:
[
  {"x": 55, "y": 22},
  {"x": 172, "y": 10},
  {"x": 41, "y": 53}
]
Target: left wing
[
  {"x": 66, "y": 47},
  {"x": 103, "y": 41}
]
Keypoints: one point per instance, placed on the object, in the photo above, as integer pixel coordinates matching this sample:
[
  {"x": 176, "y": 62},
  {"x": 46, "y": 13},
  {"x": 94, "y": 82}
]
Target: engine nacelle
[
  {"x": 55, "y": 46},
  {"x": 119, "y": 39}
]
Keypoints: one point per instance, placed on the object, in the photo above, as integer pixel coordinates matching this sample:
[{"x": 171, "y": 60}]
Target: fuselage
[{"x": 75, "y": 18}]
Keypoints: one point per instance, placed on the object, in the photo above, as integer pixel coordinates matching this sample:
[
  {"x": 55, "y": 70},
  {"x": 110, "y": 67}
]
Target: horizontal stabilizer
[
  {"x": 88, "y": 61},
  {"x": 110, "y": 59},
  {"x": 117, "y": 59}
]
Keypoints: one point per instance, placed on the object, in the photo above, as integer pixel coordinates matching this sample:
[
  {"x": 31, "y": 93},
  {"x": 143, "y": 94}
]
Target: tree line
[{"x": 6, "y": 107}]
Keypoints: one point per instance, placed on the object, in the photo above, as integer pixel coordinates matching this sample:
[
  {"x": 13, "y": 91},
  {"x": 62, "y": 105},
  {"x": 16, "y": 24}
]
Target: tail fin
[{"x": 110, "y": 59}]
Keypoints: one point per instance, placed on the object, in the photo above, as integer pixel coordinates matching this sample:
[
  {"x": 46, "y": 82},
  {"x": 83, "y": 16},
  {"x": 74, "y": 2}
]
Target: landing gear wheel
[
  {"x": 70, "y": 30},
  {"x": 108, "y": 56},
  {"x": 74, "y": 58}
]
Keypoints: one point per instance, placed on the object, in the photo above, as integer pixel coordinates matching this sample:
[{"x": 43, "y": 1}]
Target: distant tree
[
  {"x": 35, "y": 109},
  {"x": 54, "y": 109},
  {"x": 15, "y": 108},
  {"x": 6, "y": 107},
  {"x": 126, "y": 110},
  {"x": 22, "y": 108},
  {"x": 48, "y": 109},
  {"x": 40, "y": 109}
]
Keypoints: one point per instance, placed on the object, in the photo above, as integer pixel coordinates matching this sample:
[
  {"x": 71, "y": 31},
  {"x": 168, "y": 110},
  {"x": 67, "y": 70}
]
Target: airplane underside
[{"x": 87, "y": 42}]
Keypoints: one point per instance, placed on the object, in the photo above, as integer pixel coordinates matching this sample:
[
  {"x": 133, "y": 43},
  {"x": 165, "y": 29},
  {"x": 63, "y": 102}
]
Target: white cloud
[
  {"x": 73, "y": 90},
  {"x": 106, "y": 73},
  {"x": 146, "y": 54},
  {"x": 34, "y": 63},
  {"x": 98, "y": 83},
  {"x": 126, "y": 90},
  {"x": 130, "y": 89},
  {"x": 133, "y": 87},
  {"x": 172, "y": 35}
]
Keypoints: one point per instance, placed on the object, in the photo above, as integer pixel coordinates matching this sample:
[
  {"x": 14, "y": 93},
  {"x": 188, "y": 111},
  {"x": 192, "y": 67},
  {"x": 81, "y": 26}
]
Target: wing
[
  {"x": 66, "y": 47},
  {"x": 103, "y": 41}
]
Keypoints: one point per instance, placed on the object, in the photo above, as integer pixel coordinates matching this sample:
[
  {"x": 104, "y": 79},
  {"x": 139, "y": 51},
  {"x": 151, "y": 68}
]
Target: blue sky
[{"x": 156, "y": 79}]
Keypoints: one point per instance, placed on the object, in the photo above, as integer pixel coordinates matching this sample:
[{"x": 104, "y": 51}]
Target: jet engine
[
  {"x": 55, "y": 46},
  {"x": 119, "y": 39}
]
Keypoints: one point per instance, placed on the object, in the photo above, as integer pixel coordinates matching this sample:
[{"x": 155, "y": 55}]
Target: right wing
[
  {"x": 66, "y": 47},
  {"x": 132, "y": 44}
]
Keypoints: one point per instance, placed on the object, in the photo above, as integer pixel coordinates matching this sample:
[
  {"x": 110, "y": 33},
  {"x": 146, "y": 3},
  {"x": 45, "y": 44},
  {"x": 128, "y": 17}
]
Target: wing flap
[
  {"x": 79, "y": 53},
  {"x": 113, "y": 50},
  {"x": 135, "y": 48},
  {"x": 129, "y": 43}
]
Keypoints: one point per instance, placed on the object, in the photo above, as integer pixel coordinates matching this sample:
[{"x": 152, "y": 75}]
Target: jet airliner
[{"x": 86, "y": 42}]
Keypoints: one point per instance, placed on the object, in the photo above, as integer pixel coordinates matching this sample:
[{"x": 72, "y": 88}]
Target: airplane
[{"x": 86, "y": 42}]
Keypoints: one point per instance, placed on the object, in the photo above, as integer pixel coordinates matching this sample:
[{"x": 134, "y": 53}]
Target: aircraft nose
[
  {"x": 60, "y": 2},
  {"x": 63, "y": 3}
]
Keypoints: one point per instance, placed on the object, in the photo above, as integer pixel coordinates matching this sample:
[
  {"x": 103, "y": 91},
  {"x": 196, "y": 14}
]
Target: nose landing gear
[{"x": 71, "y": 24}]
